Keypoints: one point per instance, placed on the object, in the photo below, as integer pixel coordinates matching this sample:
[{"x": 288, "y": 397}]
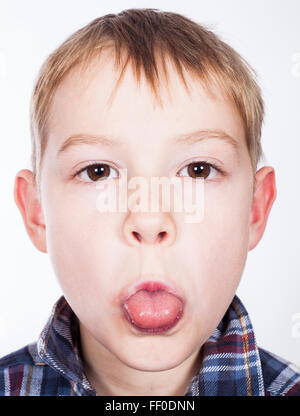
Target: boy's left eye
[{"x": 201, "y": 169}]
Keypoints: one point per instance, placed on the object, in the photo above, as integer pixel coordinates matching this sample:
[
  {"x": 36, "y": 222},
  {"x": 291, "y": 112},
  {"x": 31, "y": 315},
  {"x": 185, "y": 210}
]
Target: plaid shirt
[{"x": 232, "y": 363}]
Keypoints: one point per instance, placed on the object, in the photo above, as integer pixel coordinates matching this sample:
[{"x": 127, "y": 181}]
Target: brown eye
[
  {"x": 199, "y": 169},
  {"x": 96, "y": 172}
]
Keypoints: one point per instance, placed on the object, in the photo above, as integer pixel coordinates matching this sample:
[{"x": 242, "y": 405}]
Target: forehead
[{"x": 91, "y": 102}]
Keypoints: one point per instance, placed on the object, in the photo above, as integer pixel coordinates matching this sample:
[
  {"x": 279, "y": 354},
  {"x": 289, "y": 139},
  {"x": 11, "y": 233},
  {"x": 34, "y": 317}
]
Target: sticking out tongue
[{"x": 153, "y": 309}]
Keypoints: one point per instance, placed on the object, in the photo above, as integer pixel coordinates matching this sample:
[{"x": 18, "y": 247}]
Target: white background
[{"x": 267, "y": 34}]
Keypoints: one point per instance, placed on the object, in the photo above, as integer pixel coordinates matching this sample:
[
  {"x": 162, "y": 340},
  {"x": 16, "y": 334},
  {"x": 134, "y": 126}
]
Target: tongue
[{"x": 153, "y": 309}]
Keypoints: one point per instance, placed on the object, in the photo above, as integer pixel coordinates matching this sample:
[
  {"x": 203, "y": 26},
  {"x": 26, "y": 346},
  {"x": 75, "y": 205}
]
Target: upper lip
[{"x": 151, "y": 285}]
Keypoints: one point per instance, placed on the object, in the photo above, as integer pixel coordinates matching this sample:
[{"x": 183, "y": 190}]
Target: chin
[{"x": 150, "y": 362}]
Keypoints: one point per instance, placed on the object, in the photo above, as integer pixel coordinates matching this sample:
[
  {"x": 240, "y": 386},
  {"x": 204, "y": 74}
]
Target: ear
[
  {"x": 263, "y": 198},
  {"x": 26, "y": 198}
]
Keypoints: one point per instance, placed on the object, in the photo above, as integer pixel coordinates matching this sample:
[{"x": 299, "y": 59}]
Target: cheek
[
  {"x": 80, "y": 243},
  {"x": 227, "y": 219},
  {"x": 227, "y": 215},
  {"x": 217, "y": 256},
  {"x": 220, "y": 247}
]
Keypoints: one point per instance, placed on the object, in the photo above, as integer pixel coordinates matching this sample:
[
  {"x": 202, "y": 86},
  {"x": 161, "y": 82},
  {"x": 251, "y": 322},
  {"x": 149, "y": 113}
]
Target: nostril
[
  {"x": 137, "y": 235},
  {"x": 161, "y": 235}
]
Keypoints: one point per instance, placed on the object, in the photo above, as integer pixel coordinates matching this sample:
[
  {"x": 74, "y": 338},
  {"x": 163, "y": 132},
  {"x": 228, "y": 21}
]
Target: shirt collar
[{"x": 230, "y": 365}]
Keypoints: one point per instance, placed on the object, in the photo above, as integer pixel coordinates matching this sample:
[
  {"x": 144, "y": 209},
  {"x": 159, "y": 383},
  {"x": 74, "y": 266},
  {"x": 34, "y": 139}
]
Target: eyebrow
[
  {"x": 83, "y": 138},
  {"x": 179, "y": 140},
  {"x": 204, "y": 134}
]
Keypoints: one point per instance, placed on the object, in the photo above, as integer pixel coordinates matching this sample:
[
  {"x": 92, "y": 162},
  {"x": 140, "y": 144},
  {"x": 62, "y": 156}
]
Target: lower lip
[{"x": 151, "y": 287}]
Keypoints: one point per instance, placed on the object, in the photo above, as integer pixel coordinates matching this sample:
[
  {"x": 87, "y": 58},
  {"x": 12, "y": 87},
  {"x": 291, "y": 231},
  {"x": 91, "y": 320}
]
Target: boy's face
[{"x": 96, "y": 255}]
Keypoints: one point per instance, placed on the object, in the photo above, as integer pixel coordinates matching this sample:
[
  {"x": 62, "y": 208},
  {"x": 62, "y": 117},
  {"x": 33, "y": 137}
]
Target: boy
[{"x": 149, "y": 304}]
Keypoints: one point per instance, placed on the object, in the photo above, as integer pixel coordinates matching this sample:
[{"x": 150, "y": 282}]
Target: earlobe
[
  {"x": 263, "y": 198},
  {"x": 26, "y": 198}
]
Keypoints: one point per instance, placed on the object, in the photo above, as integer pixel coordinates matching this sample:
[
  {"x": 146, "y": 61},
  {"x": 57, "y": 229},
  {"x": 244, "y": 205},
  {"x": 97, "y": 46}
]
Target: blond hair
[{"x": 145, "y": 34}]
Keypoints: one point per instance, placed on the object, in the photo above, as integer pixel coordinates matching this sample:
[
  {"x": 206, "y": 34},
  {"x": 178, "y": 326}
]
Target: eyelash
[{"x": 211, "y": 165}]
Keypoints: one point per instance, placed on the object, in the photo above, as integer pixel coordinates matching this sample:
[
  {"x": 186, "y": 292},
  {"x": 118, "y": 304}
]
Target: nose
[{"x": 149, "y": 228}]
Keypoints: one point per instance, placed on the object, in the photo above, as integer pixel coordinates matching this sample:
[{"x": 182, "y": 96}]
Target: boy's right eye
[{"x": 96, "y": 172}]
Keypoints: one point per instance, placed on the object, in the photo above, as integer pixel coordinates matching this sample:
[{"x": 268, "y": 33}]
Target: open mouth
[{"x": 153, "y": 308}]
